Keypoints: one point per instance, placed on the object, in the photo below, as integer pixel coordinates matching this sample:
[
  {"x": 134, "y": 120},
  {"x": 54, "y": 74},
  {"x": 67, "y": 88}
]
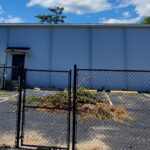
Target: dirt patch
[
  {"x": 7, "y": 139},
  {"x": 36, "y": 138},
  {"x": 31, "y": 137},
  {"x": 93, "y": 144}
]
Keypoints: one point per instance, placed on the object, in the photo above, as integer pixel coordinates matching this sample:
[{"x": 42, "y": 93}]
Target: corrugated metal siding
[{"x": 114, "y": 47}]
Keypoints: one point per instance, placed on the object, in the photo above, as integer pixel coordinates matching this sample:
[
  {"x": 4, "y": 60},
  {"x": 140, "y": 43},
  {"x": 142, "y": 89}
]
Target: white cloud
[
  {"x": 120, "y": 21},
  {"x": 126, "y": 14},
  {"x": 124, "y": 3},
  {"x": 142, "y": 7},
  {"x": 74, "y": 6},
  {"x": 11, "y": 19}
]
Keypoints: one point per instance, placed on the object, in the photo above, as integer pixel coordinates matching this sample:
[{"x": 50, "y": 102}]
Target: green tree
[
  {"x": 146, "y": 20},
  {"x": 56, "y": 16}
]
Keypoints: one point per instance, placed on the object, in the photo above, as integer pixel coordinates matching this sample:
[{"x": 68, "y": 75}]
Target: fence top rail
[
  {"x": 114, "y": 70},
  {"x": 44, "y": 70},
  {"x": 12, "y": 67},
  {"x": 39, "y": 70}
]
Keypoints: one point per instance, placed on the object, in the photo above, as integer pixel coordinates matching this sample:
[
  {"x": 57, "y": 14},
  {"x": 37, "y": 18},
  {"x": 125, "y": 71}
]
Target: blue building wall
[
  {"x": 70, "y": 46},
  {"x": 108, "y": 48},
  {"x": 3, "y": 44},
  {"x": 38, "y": 40},
  {"x": 138, "y": 48},
  {"x": 89, "y": 47}
]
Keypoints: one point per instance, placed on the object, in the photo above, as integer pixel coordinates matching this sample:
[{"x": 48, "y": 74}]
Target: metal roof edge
[{"x": 36, "y": 25}]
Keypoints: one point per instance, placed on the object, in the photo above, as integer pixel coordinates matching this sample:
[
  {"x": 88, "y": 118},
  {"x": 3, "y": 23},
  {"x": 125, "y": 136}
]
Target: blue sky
[{"x": 77, "y": 11}]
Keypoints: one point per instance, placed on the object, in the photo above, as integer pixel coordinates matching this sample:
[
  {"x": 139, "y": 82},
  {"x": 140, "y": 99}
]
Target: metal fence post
[
  {"x": 74, "y": 108},
  {"x": 23, "y": 105},
  {"x": 21, "y": 70},
  {"x": 4, "y": 71},
  {"x": 70, "y": 107}
]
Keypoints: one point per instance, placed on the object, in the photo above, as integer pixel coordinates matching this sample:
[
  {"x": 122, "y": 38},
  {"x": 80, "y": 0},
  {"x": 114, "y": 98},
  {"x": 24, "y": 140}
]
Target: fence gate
[
  {"x": 9, "y": 107},
  {"x": 46, "y": 109}
]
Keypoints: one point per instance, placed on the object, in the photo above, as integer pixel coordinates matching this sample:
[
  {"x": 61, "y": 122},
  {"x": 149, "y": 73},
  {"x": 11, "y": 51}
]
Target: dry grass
[
  {"x": 104, "y": 111},
  {"x": 94, "y": 144}
]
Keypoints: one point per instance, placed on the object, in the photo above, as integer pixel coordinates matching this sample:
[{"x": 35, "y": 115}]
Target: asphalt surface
[
  {"x": 7, "y": 122},
  {"x": 133, "y": 135},
  {"x": 40, "y": 127},
  {"x": 51, "y": 128}
]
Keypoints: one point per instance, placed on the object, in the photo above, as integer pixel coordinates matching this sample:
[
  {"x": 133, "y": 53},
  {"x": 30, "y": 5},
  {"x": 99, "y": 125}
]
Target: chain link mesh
[
  {"x": 8, "y": 108},
  {"x": 46, "y": 119},
  {"x": 113, "y": 109}
]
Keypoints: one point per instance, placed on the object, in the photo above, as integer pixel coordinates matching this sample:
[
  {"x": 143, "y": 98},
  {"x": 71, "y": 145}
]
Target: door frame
[{"x": 15, "y": 68}]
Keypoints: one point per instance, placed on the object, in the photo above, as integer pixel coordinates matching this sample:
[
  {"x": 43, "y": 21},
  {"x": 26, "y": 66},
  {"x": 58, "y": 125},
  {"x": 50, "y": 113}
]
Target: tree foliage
[
  {"x": 56, "y": 16},
  {"x": 146, "y": 20}
]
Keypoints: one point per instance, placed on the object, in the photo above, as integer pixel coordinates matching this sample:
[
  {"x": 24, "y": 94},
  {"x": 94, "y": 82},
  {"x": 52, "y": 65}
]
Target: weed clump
[{"x": 90, "y": 105}]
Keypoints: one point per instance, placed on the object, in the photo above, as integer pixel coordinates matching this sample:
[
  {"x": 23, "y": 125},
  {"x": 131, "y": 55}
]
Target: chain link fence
[
  {"x": 8, "y": 107},
  {"x": 35, "y": 108},
  {"x": 112, "y": 109}
]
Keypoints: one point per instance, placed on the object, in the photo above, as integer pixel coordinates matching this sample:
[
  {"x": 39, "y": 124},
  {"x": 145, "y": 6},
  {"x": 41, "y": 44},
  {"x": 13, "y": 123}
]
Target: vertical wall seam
[
  {"x": 51, "y": 53},
  {"x": 125, "y": 55},
  {"x": 51, "y": 48},
  {"x": 8, "y": 31},
  {"x": 125, "y": 49},
  {"x": 90, "y": 48},
  {"x": 90, "y": 54},
  {"x": 7, "y": 44}
]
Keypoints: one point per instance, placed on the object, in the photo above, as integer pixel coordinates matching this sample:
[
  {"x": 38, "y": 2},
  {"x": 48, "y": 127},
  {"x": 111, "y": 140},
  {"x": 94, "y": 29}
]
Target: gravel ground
[{"x": 43, "y": 128}]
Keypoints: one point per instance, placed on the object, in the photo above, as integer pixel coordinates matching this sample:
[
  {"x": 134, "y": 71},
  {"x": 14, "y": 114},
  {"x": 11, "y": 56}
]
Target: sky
[{"x": 77, "y": 11}]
